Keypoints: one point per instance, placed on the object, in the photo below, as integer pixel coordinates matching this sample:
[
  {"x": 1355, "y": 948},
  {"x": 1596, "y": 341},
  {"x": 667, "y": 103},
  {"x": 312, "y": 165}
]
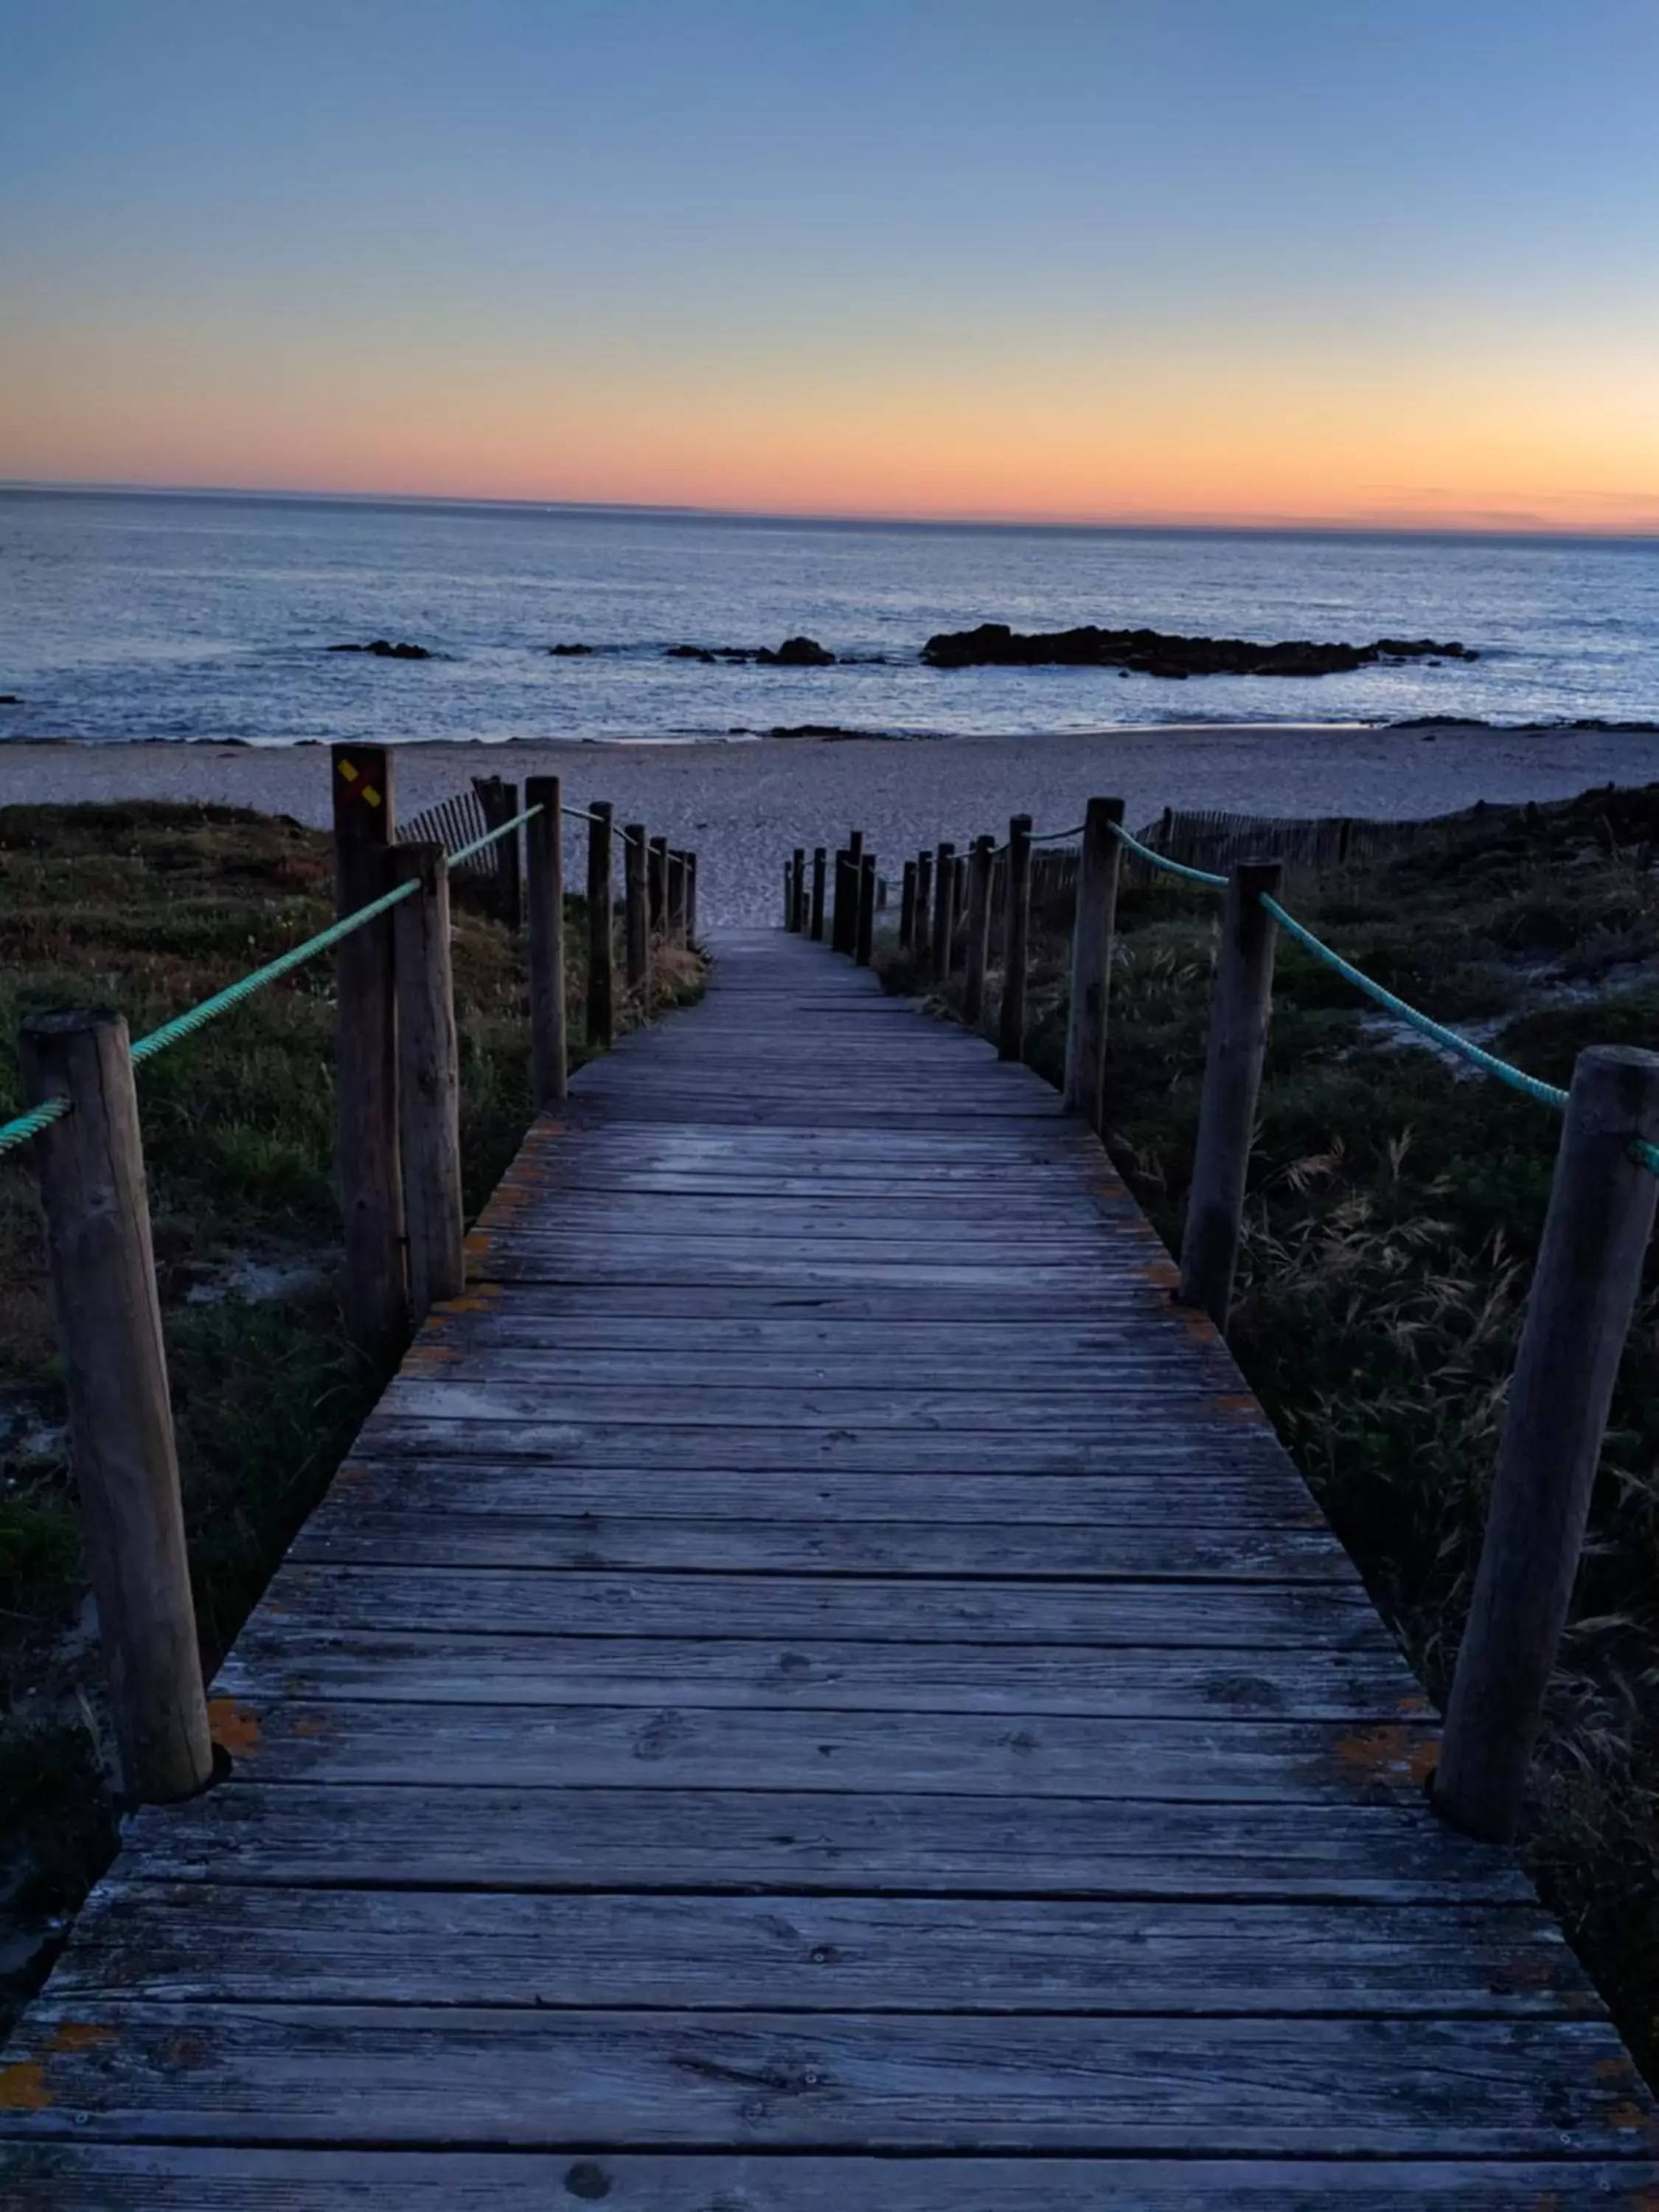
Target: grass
[
  {"x": 1393, "y": 1219},
  {"x": 151, "y": 908}
]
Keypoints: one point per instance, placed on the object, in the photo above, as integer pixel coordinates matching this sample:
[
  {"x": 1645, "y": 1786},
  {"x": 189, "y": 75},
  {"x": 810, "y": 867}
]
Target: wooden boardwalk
[{"x": 816, "y": 1690}]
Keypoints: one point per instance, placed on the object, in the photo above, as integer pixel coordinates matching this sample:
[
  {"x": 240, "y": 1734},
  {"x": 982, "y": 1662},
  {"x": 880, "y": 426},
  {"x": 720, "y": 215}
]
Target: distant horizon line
[{"x": 1520, "y": 526}]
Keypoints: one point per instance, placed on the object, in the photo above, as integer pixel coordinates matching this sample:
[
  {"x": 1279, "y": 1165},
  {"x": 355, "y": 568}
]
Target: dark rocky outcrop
[
  {"x": 570, "y": 651},
  {"x": 384, "y": 649},
  {"x": 794, "y": 652},
  {"x": 1157, "y": 653}
]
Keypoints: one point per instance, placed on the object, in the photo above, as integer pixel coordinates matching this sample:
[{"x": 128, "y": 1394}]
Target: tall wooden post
[
  {"x": 907, "y": 908},
  {"x": 601, "y": 994},
  {"x": 636, "y": 913},
  {"x": 798, "y": 890},
  {"x": 921, "y": 937},
  {"x": 789, "y": 897},
  {"x": 544, "y": 858},
  {"x": 1239, "y": 1015},
  {"x": 842, "y": 921},
  {"x": 102, "y": 1274},
  {"x": 945, "y": 885},
  {"x": 1016, "y": 940},
  {"x": 1092, "y": 931},
  {"x": 366, "y": 1060},
  {"x": 1584, "y": 1293},
  {"x": 657, "y": 879},
  {"x": 676, "y": 897},
  {"x": 429, "y": 1081},
  {"x": 499, "y": 802},
  {"x": 979, "y": 929},
  {"x": 856, "y": 846},
  {"x": 819, "y": 858},
  {"x": 690, "y": 898},
  {"x": 864, "y": 940},
  {"x": 959, "y": 903}
]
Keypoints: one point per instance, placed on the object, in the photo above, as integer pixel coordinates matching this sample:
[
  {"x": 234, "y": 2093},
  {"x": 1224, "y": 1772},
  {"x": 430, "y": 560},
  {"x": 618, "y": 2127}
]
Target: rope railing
[{"x": 1591, "y": 1254}]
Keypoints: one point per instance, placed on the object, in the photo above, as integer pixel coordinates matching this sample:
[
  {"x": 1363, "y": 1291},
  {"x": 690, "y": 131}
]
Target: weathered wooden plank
[
  {"x": 479, "y": 1396},
  {"x": 182, "y": 1942},
  {"x": 382, "y": 2076},
  {"x": 1236, "y": 1758},
  {"x": 985, "y": 1610},
  {"x": 279, "y": 1657},
  {"x": 182, "y": 2177},
  {"x": 546, "y": 1837}
]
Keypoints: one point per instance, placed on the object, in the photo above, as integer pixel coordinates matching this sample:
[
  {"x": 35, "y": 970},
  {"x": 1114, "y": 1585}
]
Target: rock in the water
[
  {"x": 798, "y": 652},
  {"x": 384, "y": 649},
  {"x": 10, "y": 699},
  {"x": 570, "y": 651},
  {"x": 1155, "y": 653}
]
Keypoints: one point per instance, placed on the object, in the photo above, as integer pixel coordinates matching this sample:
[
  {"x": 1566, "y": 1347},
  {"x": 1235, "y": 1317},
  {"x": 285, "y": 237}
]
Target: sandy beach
[{"x": 742, "y": 807}]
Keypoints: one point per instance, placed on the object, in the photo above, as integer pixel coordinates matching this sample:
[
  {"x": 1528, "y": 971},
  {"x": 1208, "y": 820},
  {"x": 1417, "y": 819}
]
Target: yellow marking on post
[
  {"x": 372, "y": 796},
  {"x": 23, "y": 2087},
  {"x": 347, "y": 771},
  {"x": 235, "y": 1729}
]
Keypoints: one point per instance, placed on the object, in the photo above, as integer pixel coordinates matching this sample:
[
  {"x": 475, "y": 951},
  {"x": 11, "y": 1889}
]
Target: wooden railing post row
[
  {"x": 366, "y": 1060},
  {"x": 1093, "y": 926},
  {"x": 101, "y": 1269},
  {"x": 1578, "y": 1313},
  {"x": 1016, "y": 940},
  {"x": 945, "y": 885},
  {"x": 979, "y": 929},
  {"x": 636, "y": 913},
  {"x": 601, "y": 985},
  {"x": 819, "y": 861},
  {"x": 864, "y": 935},
  {"x": 429, "y": 1081},
  {"x": 544, "y": 860},
  {"x": 1237, "y": 1043}
]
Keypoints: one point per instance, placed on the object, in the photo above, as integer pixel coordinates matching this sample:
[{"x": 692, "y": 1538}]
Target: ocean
[{"x": 128, "y": 616}]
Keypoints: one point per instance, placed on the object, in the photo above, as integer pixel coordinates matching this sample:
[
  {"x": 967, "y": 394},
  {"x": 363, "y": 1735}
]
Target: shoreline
[{"x": 744, "y": 803}]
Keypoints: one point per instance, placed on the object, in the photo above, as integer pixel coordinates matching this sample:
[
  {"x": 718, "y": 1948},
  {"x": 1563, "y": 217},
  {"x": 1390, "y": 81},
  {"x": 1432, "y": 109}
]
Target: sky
[{"x": 1374, "y": 262}]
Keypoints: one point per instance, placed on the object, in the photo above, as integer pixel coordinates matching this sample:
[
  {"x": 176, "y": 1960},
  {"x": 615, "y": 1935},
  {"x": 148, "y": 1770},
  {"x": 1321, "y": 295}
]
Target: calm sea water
[{"x": 126, "y": 616}]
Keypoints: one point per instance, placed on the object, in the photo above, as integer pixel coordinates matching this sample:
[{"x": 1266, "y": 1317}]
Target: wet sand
[{"x": 743, "y": 806}]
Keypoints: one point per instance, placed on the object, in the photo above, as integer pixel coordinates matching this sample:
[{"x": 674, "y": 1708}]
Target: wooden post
[
  {"x": 545, "y": 856},
  {"x": 866, "y": 938},
  {"x": 907, "y": 908},
  {"x": 856, "y": 846},
  {"x": 842, "y": 921},
  {"x": 636, "y": 913},
  {"x": 945, "y": 884},
  {"x": 798, "y": 891},
  {"x": 819, "y": 859},
  {"x": 690, "y": 898},
  {"x": 499, "y": 802},
  {"x": 1016, "y": 939},
  {"x": 958, "y": 905},
  {"x": 921, "y": 940},
  {"x": 789, "y": 897},
  {"x": 677, "y": 897},
  {"x": 1092, "y": 931},
  {"x": 1239, "y": 1014},
  {"x": 657, "y": 879},
  {"x": 366, "y": 1060},
  {"x": 601, "y": 994},
  {"x": 429, "y": 1081},
  {"x": 979, "y": 929},
  {"x": 1583, "y": 1291},
  {"x": 102, "y": 1274}
]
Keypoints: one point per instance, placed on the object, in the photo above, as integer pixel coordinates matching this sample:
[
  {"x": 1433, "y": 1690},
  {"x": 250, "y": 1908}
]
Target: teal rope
[
  {"x": 1170, "y": 868},
  {"x": 491, "y": 836},
  {"x": 186, "y": 1024},
  {"x": 13, "y": 1134},
  {"x": 1545, "y": 1094}
]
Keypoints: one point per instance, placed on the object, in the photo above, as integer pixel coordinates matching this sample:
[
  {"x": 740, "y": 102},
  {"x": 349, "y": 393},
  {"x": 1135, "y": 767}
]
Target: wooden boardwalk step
[{"x": 817, "y": 1690}]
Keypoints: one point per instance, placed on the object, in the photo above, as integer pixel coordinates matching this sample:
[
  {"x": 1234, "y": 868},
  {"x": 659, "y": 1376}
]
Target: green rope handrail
[
  {"x": 1162, "y": 860},
  {"x": 40, "y": 1118}
]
